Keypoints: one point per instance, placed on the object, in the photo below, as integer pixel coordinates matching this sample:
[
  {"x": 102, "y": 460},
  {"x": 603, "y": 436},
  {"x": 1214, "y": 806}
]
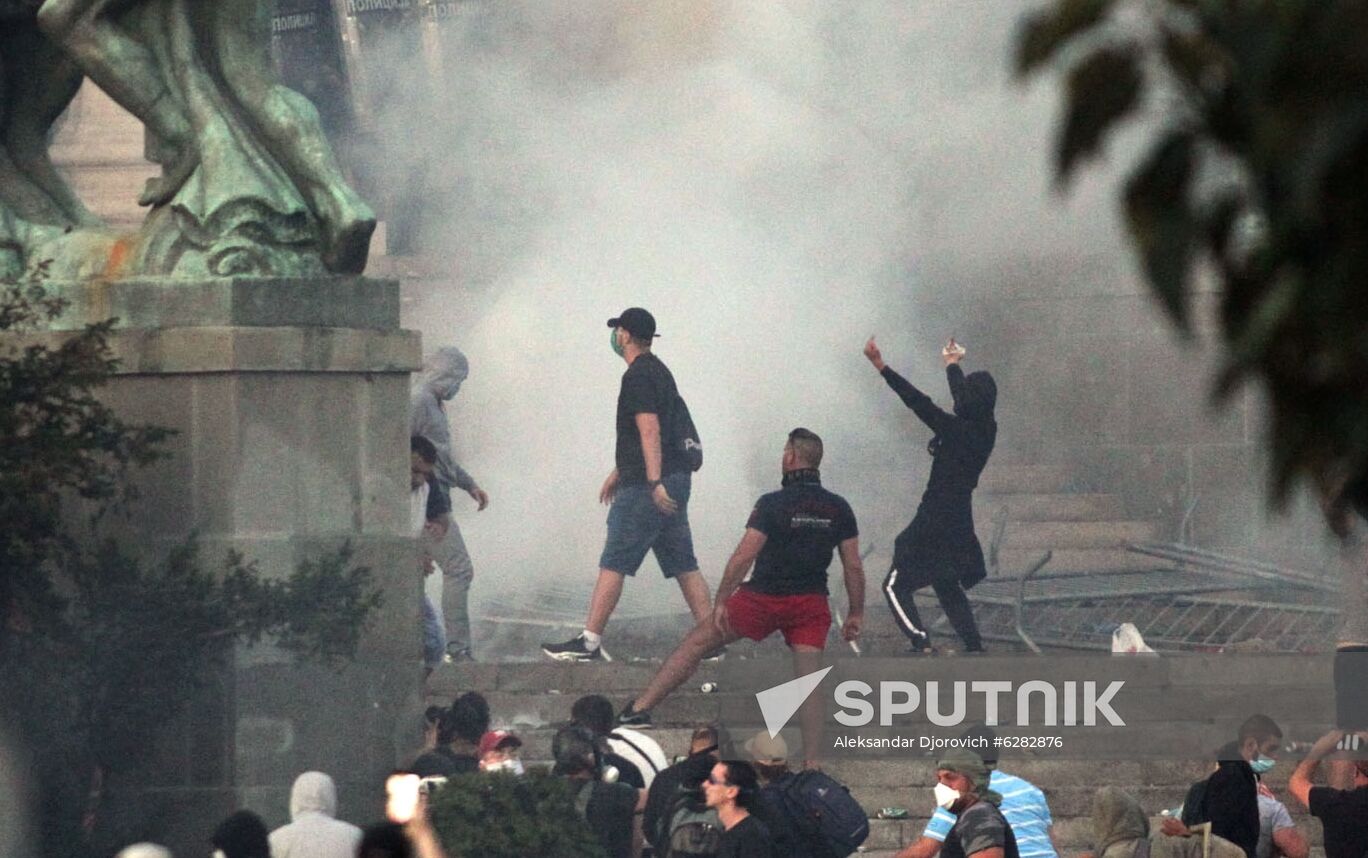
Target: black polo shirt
[
  {"x": 803, "y": 524},
  {"x": 648, "y": 387}
]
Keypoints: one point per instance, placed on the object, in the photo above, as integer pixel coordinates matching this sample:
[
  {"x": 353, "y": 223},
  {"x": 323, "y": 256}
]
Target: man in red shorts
[{"x": 790, "y": 538}]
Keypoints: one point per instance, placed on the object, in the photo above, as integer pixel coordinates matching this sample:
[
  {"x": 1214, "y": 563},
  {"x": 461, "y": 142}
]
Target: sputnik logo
[{"x": 778, "y": 704}]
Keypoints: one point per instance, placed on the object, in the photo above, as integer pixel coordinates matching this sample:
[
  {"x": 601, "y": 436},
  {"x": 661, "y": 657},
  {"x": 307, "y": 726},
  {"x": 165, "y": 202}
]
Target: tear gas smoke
[{"x": 775, "y": 182}]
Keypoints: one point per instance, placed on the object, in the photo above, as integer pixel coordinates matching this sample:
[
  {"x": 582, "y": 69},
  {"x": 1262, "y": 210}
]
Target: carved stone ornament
[{"x": 249, "y": 184}]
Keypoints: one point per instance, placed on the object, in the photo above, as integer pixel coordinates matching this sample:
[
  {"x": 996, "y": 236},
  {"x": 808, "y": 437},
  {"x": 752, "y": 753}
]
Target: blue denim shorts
[{"x": 635, "y": 526}]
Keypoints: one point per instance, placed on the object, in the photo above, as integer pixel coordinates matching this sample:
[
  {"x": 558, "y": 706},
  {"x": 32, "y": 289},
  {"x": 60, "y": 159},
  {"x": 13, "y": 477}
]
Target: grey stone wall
[{"x": 290, "y": 402}]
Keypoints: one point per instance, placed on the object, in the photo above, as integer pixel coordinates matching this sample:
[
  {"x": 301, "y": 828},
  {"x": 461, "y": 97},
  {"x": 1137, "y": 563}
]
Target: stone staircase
[
  {"x": 1043, "y": 510},
  {"x": 533, "y": 699}
]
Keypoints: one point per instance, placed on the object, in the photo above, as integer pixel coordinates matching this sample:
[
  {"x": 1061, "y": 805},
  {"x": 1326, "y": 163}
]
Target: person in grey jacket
[{"x": 438, "y": 384}]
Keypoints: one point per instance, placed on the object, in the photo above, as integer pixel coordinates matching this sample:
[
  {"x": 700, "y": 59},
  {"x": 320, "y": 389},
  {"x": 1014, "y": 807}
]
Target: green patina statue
[{"x": 249, "y": 184}]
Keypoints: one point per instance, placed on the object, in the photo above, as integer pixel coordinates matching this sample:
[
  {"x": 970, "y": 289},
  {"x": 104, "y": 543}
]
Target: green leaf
[
  {"x": 1102, "y": 89},
  {"x": 1045, "y": 32},
  {"x": 1161, "y": 221}
]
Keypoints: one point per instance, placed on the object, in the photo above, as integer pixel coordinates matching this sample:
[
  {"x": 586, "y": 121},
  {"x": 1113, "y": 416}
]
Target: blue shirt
[{"x": 1026, "y": 810}]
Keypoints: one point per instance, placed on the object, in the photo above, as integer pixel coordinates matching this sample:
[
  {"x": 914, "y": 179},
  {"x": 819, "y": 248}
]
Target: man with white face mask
[
  {"x": 980, "y": 830},
  {"x": 1024, "y": 806}
]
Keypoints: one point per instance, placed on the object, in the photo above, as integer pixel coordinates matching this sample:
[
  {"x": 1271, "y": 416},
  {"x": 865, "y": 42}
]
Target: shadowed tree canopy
[{"x": 1259, "y": 174}]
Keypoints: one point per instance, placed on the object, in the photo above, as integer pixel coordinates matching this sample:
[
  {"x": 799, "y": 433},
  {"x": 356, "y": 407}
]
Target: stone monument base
[{"x": 290, "y": 403}]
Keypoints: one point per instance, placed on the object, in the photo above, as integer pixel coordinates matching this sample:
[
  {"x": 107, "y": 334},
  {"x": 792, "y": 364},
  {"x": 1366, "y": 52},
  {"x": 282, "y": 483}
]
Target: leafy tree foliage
[
  {"x": 501, "y": 815},
  {"x": 1259, "y": 173},
  {"x": 100, "y": 650},
  {"x": 56, "y": 437}
]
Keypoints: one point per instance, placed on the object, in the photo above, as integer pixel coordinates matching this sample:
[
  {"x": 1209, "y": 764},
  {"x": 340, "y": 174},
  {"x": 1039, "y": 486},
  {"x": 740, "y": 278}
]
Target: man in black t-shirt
[
  {"x": 648, "y": 489},
  {"x": 1343, "y": 812},
  {"x": 732, "y": 789},
  {"x": 790, "y": 538}
]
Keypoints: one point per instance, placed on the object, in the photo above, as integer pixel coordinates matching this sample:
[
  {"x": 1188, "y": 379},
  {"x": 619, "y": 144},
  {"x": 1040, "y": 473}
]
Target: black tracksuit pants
[{"x": 898, "y": 588}]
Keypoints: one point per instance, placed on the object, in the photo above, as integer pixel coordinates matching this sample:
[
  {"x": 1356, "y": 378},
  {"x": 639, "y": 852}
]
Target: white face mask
[
  {"x": 513, "y": 765},
  {"x": 945, "y": 796}
]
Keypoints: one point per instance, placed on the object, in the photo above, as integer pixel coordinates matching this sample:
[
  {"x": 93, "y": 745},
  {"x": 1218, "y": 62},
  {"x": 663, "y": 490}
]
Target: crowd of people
[
  {"x": 775, "y": 580},
  {"x": 720, "y": 801}
]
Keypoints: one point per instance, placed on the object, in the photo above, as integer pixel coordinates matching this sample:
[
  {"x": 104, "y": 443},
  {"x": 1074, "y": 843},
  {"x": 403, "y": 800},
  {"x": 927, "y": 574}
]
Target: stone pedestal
[{"x": 290, "y": 399}]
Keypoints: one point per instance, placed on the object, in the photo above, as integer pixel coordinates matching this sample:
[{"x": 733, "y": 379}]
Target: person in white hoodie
[
  {"x": 441, "y": 379},
  {"x": 314, "y": 833}
]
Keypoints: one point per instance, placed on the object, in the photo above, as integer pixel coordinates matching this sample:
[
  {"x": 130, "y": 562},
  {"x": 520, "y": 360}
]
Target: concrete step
[
  {"x": 1015, "y": 561},
  {"x": 1050, "y": 506},
  {"x": 1070, "y": 534},
  {"x": 1024, "y": 479}
]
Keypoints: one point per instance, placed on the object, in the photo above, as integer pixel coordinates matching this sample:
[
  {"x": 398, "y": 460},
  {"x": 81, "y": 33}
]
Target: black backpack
[
  {"x": 682, "y": 435},
  {"x": 823, "y": 811}
]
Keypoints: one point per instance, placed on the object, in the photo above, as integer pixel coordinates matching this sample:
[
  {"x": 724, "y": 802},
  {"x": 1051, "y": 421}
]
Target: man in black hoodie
[
  {"x": 1229, "y": 799},
  {"x": 939, "y": 548}
]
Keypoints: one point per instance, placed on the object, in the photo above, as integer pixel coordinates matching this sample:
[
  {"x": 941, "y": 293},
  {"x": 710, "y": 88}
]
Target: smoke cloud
[{"x": 773, "y": 181}]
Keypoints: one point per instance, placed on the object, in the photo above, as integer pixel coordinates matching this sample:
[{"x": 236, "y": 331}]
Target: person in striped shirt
[{"x": 1023, "y": 804}]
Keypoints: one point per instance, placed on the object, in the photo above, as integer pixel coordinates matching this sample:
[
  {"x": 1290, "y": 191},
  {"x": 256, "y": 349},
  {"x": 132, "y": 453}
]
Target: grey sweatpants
[{"x": 457, "y": 573}]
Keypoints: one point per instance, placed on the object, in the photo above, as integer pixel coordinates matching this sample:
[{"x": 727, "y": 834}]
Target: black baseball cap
[{"x": 636, "y": 322}]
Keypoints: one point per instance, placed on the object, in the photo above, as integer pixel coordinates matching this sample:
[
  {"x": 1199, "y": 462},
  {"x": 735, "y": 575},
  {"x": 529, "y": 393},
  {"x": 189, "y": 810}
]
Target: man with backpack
[
  {"x": 790, "y": 538},
  {"x": 681, "y": 781},
  {"x": 732, "y": 789},
  {"x": 637, "y": 757},
  {"x": 609, "y": 808},
  {"x": 1229, "y": 798},
  {"x": 656, "y": 454},
  {"x": 810, "y": 814}
]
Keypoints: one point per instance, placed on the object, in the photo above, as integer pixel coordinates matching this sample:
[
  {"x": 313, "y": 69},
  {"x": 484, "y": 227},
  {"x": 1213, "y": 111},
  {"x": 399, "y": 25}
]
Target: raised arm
[
  {"x": 921, "y": 404},
  {"x": 1302, "y": 780}
]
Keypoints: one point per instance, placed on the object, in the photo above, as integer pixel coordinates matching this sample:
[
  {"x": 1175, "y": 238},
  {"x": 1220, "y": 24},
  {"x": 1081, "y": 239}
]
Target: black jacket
[
  {"x": 1229, "y": 800},
  {"x": 941, "y": 537}
]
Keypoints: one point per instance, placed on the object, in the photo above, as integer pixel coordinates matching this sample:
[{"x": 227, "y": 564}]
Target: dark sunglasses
[{"x": 715, "y": 782}]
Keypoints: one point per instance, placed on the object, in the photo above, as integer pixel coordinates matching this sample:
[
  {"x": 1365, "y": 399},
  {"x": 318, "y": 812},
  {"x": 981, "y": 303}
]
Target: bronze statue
[{"x": 249, "y": 184}]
